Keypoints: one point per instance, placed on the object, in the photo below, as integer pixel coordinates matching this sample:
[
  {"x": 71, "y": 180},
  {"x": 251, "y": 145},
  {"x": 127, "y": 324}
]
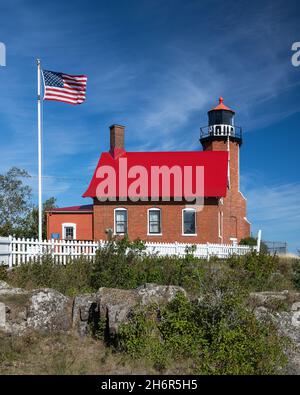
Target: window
[
  {"x": 154, "y": 221},
  {"x": 188, "y": 221},
  {"x": 120, "y": 221},
  {"x": 69, "y": 231}
]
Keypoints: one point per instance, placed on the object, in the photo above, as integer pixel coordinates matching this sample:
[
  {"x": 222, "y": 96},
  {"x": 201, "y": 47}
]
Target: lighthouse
[{"x": 222, "y": 134}]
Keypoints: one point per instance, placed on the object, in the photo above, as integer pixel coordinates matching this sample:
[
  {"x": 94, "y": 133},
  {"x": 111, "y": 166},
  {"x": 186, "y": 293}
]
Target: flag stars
[{"x": 53, "y": 79}]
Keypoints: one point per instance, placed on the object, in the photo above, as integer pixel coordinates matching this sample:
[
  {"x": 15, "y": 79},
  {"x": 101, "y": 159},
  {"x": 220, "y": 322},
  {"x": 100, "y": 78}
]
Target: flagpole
[{"x": 39, "y": 149}]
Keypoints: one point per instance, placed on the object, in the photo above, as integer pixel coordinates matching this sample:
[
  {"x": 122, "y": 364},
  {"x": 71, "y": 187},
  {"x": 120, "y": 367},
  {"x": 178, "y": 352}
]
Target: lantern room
[{"x": 221, "y": 124}]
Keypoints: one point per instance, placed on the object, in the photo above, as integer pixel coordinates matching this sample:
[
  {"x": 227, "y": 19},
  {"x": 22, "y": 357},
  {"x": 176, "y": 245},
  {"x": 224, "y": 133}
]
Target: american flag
[{"x": 64, "y": 87}]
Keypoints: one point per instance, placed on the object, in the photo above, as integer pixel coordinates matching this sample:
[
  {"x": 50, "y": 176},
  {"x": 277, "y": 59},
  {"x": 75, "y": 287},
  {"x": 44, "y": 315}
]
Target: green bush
[
  {"x": 222, "y": 337},
  {"x": 70, "y": 279},
  {"x": 252, "y": 241},
  {"x": 124, "y": 264},
  {"x": 3, "y": 273},
  {"x": 296, "y": 274},
  {"x": 116, "y": 264},
  {"x": 260, "y": 272}
]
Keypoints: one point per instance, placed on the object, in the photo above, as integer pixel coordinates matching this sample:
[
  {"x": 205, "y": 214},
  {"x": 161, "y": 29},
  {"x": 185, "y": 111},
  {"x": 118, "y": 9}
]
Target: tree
[
  {"x": 31, "y": 228},
  {"x": 15, "y": 198},
  {"x": 252, "y": 241}
]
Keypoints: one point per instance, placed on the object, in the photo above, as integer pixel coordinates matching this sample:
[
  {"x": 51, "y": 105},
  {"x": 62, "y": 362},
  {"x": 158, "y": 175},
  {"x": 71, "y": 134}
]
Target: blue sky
[{"x": 157, "y": 66}]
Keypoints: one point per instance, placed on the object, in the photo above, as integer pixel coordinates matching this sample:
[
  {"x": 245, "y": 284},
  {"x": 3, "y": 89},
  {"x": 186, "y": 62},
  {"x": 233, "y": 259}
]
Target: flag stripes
[{"x": 64, "y": 87}]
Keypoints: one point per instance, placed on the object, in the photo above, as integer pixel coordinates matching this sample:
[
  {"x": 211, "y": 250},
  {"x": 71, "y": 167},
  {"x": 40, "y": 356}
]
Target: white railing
[{"x": 14, "y": 251}]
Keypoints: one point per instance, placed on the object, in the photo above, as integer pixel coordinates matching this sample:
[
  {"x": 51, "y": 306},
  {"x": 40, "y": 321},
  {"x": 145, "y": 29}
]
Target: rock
[
  {"x": 116, "y": 306},
  {"x": 2, "y": 315},
  {"x": 85, "y": 311},
  {"x": 286, "y": 320},
  {"x": 16, "y": 303},
  {"x": 296, "y": 319},
  {"x": 12, "y": 291},
  {"x": 4, "y": 285},
  {"x": 261, "y": 312},
  {"x": 49, "y": 311},
  {"x": 295, "y": 306},
  {"x": 284, "y": 300},
  {"x": 6, "y": 289},
  {"x": 153, "y": 293},
  {"x": 263, "y": 298},
  {"x": 44, "y": 310}
]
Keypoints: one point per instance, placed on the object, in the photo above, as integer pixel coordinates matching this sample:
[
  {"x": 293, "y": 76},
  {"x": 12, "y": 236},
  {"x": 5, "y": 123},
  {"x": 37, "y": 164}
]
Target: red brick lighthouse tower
[{"x": 221, "y": 134}]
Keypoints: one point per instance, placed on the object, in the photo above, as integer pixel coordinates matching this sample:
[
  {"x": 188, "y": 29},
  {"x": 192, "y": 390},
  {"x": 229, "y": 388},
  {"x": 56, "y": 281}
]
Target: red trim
[
  {"x": 85, "y": 208},
  {"x": 221, "y": 106}
]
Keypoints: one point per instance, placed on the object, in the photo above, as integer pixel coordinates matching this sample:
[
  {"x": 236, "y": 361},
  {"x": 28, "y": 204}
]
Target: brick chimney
[{"x": 116, "y": 140}]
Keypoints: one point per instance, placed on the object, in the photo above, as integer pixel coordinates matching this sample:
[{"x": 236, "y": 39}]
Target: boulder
[
  {"x": 49, "y": 311},
  {"x": 153, "y": 293},
  {"x": 2, "y": 315},
  {"x": 117, "y": 305},
  {"x": 286, "y": 318},
  {"x": 4, "y": 285},
  {"x": 44, "y": 310},
  {"x": 85, "y": 311}
]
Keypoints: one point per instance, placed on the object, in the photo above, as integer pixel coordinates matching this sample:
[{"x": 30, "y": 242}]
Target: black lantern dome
[{"x": 221, "y": 124}]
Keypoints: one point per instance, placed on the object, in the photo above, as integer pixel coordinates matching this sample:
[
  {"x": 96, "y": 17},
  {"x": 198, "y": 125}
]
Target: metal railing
[
  {"x": 276, "y": 247},
  {"x": 221, "y": 131}
]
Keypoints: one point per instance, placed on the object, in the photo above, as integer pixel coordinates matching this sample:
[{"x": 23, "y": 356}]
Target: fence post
[
  {"x": 208, "y": 252},
  {"x": 52, "y": 249},
  {"x": 258, "y": 241},
  {"x": 10, "y": 258},
  {"x": 176, "y": 247}
]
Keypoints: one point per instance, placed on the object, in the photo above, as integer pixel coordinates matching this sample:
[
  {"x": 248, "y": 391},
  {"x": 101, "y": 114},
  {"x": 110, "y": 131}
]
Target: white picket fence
[{"x": 15, "y": 251}]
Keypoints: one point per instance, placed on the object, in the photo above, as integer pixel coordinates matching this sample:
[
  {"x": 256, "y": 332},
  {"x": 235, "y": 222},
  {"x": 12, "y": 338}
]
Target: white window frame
[
  {"x": 120, "y": 209},
  {"x": 68, "y": 225},
  {"x": 182, "y": 222},
  {"x": 148, "y": 222}
]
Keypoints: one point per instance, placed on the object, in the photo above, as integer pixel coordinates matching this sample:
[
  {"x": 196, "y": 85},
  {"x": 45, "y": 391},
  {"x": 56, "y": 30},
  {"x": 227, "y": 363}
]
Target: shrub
[
  {"x": 252, "y": 241},
  {"x": 258, "y": 272},
  {"x": 3, "y": 273},
  {"x": 115, "y": 264},
  {"x": 296, "y": 274},
  {"x": 207, "y": 338},
  {"x": 70, "y": 279},
  {"x": 124, "y": 264}
]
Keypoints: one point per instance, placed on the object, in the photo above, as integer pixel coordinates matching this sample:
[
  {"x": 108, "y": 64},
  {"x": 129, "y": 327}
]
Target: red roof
[
  {"x": 214, "y": 162},
  {"x": 84, "y": 208},
  {"x": 221, "y": 106}
]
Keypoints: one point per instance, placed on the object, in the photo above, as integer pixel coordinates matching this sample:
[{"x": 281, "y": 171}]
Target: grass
[{"x": 63, "y": 354}]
